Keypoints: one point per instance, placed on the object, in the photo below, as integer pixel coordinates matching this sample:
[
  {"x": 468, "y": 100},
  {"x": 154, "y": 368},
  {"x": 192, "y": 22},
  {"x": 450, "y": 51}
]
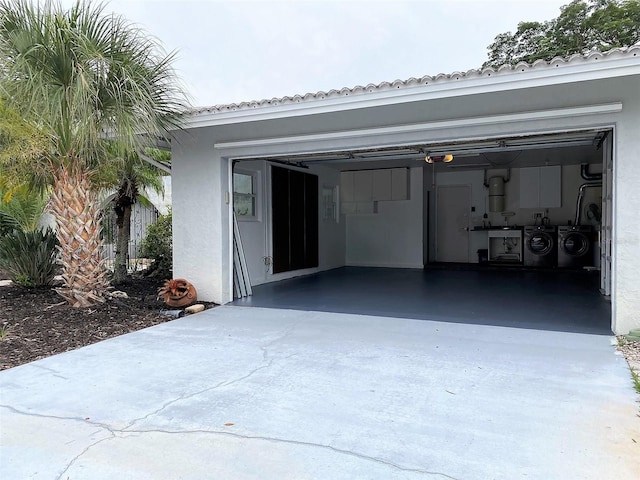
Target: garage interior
[{"x": 505, "y": 231}]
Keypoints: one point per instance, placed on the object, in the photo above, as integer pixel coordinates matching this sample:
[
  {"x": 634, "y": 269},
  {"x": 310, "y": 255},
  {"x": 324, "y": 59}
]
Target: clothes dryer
[
  {"x": 540, "y": 246},
  {"x": 574, "y": 246}
]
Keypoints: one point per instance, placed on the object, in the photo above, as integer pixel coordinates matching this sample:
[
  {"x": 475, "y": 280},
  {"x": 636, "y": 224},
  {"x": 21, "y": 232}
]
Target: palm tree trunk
[
  {"x": 123, "y": 224},
  {"x": 76, "y": 209}
]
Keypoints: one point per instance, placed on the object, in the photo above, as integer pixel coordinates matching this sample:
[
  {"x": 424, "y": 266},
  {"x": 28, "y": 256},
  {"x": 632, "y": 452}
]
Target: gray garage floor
[
  {"x": 270, "y": 394},
  {"x": 553, "y": 300}
]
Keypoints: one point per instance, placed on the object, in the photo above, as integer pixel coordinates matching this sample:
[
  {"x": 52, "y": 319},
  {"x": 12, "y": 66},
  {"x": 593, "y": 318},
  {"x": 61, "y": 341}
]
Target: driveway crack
[
  {"x": 51, "y": 370},
  {"x": 55, "y": 417},
  {"x": 82, "y": 453},
  {"x": 225, "y": 383},
  {"x": 112, "y": 432},
  {"x": 341, "y": 451}
]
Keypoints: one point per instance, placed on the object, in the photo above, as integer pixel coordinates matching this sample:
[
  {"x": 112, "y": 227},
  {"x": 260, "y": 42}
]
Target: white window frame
[{"x": 255, "y": 179}]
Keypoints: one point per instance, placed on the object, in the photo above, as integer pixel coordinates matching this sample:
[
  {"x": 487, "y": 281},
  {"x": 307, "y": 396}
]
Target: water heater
[{"x": 496, "y": 194}]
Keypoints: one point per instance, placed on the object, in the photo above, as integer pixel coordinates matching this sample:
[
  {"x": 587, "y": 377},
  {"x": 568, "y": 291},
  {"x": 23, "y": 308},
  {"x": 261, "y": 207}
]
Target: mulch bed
[{"x": 37, "y": 323}]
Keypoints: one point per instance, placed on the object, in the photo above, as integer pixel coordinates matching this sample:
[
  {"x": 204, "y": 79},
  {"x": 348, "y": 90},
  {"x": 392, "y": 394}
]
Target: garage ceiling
[{"x": 507, "y": 152}]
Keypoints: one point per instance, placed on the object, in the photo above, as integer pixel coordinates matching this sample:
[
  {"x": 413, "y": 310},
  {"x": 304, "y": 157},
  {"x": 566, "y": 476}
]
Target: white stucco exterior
[{"x": 601, "y": 91}]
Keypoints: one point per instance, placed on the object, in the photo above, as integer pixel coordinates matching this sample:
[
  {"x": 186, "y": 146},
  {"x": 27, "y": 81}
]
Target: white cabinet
[
  {"x": 360, "y": 188},
  {"x": 541, "y": 187},
  {"x": 399, "y": 184},
  {"x": 346, "y": 187},
  {"x": 363, "y": 185},
  {"x": 382, "y": 185},
  {"x": 352, "y": 208},
  {"x": 550, "y": 187}
]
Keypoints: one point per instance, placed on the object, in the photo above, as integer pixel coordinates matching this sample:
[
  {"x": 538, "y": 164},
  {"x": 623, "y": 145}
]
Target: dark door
[
  {"x": 294, "y": 215},
  {"x": 280, "y": 218}
]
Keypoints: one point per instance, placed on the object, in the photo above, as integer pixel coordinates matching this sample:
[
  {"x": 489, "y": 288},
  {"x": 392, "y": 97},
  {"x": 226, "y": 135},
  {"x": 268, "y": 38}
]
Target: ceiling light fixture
[{"x": 439, "y": 158}]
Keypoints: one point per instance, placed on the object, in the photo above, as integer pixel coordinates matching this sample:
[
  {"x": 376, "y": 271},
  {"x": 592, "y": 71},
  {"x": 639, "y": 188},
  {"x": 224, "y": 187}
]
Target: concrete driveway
[{"x": 252, "y": 393}]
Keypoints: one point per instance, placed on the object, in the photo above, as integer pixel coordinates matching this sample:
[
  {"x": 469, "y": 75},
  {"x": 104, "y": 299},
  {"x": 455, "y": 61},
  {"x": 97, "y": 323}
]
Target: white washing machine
[
  {"x": 540, "y": 246},
  {"x": 574, "y": 246}
]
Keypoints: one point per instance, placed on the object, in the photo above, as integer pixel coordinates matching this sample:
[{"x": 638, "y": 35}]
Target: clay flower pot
[{"x": 178, "y": 293}]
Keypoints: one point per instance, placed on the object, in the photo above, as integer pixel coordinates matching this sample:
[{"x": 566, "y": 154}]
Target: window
[
  {"x": 244, "y": 194},
  {"x": 329, "y": 203}
]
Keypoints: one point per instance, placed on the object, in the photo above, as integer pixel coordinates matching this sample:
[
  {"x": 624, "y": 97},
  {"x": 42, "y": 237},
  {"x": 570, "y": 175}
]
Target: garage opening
[{"x": 512, "y": 231}]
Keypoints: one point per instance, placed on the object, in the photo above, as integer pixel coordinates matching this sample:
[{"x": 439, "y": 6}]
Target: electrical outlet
[{"x": 537, "y": 215}]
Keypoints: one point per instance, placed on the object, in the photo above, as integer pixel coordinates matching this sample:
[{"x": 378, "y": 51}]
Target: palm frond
[
  {"x": 23, "y": 209},
  {"x": 86, "y": 75}
]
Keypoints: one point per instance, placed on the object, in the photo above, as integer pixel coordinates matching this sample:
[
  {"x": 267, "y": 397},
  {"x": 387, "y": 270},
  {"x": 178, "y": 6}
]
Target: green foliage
[
  {"x": 80, "y": 72},
  {"x": 158, "y": 246},
  {"x": 20, "y": 208},
  {"x": 636, "y": 381},
  {"x": 582, "y": 25},
  {"x": 129, "y": 173},
  {"x": 27, "y": 253},
  {"x": 90, "y": 81},
  {"x": 21, "y": 146},
  {"x": 29, "y": 258}
]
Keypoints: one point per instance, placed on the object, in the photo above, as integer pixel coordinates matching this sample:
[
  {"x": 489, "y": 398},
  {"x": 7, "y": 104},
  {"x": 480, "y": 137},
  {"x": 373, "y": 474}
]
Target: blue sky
[{"x": 230, "y": 51}]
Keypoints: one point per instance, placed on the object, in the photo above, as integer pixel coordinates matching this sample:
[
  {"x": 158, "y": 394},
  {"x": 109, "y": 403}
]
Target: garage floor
[{"x": 550, "y": 300}]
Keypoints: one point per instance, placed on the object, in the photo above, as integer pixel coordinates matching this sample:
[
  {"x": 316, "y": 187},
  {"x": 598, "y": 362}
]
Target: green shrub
[
  {"x": 29, "y": 258},
  {"x": 21, "y": 209},
  {"x": 157, "y": 245}
]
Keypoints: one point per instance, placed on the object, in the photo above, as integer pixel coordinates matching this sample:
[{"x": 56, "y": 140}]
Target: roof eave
[{"x": 540, "y": 74}]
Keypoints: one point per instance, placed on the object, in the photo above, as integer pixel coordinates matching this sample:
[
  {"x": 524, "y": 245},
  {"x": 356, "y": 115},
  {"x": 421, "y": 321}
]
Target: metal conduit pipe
[
  {"x": 581, "y": 190},
  {"x": 584, "y": 173},
  {"x": 506, "y": 179}
]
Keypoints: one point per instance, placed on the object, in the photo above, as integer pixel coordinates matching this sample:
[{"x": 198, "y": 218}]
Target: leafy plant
[
  {"x": 21, "y": 208},
  {"x": 157, "y": 245},
  {"x": 636, "y": 381},
  {"x": 29, "y": 258}
]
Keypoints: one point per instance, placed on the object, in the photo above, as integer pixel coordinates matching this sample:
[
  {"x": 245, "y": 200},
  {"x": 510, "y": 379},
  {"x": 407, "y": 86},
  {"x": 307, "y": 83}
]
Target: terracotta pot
[{"x": 178, "y": 293}]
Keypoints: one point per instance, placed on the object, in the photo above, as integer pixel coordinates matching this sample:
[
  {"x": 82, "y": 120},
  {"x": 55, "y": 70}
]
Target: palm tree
[
  {"x": 90, "y": 81},
  {"x": 130, "y": 175}
]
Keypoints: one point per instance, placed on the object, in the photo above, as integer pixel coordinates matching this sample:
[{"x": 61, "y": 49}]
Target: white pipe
[{"x": 583, "y": 187}]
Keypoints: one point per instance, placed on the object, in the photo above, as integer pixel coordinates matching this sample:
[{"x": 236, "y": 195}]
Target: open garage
[
  {"x": 482, "y": 191},
  {"x": 453, "y": 245}
]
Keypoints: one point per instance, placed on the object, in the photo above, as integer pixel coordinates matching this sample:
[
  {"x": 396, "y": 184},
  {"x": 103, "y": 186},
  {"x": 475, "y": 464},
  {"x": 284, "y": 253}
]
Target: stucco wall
[
  {"x": 200, "y": 217},
  {"x": 626, "y": 234}
]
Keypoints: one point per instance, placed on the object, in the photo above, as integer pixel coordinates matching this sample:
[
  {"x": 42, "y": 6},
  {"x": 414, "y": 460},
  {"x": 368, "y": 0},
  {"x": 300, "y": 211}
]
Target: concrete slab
[
  {"x": 253, "y": 393},
  {"x": 562, "y": 300}
]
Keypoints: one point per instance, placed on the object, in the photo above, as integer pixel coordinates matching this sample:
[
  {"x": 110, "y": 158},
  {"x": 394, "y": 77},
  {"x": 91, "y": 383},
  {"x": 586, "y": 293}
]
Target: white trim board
[{"x": 608, "y": 108}]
